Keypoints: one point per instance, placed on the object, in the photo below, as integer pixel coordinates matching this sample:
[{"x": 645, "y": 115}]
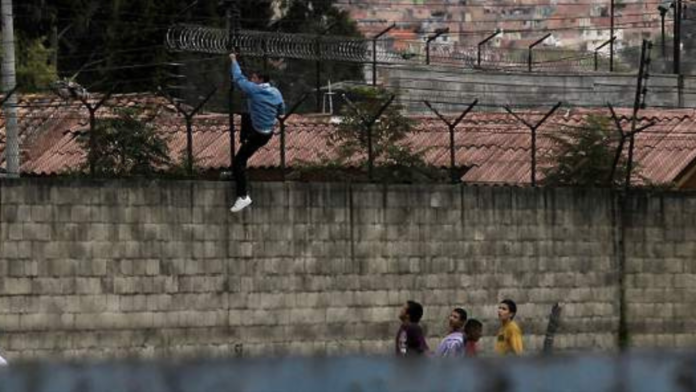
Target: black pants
[{"x": 251, "y": 142}]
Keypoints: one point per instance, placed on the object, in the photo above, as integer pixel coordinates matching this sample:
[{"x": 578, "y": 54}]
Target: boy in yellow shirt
[{"x": 509, "y": 339}]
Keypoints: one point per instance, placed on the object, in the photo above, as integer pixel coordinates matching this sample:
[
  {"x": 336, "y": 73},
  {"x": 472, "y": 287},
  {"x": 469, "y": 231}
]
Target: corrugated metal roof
[{"x": 495, "y": 147}]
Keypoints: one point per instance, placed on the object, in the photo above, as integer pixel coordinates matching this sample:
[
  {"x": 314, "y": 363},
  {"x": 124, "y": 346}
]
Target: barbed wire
[{"x": 201, "y": 39}]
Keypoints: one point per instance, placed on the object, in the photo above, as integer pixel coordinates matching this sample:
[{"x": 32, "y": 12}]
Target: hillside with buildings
[{"x": 574, "y": 24}]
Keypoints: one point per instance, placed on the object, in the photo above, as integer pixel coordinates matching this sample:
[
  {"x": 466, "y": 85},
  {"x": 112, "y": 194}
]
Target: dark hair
[
  {"x": 461, "y": 312},
  {"x": 471, "y": 325},
  {"x": 511, "y": 305},
  {"x": 263, "y": 76},
  {"x": 414, "y": 310}
]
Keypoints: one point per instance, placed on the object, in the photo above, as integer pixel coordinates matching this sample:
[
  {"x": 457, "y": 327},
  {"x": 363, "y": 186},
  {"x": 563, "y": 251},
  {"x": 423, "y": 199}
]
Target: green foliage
[
  {"x": 395, "y": 160},
  {"x": 351, "y": 138},
  {"x": 126, "y": 145},
  {"x": 179, "y": 169},
  {"x": 585, "y": 155},
  {"x": 33, "y": 62},
  {"x": 105, "y": 42},
  {"x": 34, "y": 70}
]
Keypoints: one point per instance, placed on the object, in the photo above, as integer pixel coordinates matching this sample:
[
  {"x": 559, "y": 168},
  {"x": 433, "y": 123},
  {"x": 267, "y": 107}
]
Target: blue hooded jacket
[{"x": 265, "y": 101}]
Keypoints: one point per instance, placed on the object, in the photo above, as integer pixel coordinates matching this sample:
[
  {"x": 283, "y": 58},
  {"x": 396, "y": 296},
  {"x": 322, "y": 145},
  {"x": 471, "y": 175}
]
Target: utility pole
[
  {"x": 9, "y": 84},
  {"x": 663, "y": 11},
  {"x": 677, "y": 35},
  {"x": 611, "y": 36},
  {"x": 317, "y": 51},
  {"x": 639, "y": 103}
]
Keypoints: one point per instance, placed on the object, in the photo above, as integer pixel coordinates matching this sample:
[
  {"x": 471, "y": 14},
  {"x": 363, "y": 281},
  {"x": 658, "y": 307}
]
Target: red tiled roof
[
  {"x": 48, "y": 124},
  {"x": 495, "y": 147},
  {"x": 662, "y": 152}
]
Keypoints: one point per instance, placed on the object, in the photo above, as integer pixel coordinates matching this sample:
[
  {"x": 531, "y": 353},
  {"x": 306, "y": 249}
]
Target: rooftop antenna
[{"x": 328, "y": 97}]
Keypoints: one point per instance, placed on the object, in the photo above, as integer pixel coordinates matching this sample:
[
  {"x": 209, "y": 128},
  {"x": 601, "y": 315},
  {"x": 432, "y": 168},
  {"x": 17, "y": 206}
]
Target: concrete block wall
[
  {"x": 111, "y": 269},
  {"x": 661, "y": 270},
  {"x": 451, "y": 84}
]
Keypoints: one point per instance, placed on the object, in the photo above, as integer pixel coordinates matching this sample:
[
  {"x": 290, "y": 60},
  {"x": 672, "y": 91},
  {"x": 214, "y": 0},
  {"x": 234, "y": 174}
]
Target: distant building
[{"x": 581, "y": 26}]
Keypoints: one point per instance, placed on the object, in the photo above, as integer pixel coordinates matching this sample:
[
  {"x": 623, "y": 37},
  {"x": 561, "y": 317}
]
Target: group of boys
[{"x": 462, "y": 335}]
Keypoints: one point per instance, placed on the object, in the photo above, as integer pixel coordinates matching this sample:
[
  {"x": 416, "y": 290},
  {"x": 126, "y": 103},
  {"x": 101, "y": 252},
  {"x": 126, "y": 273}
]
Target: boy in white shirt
[{"x": 453, "y": 344}]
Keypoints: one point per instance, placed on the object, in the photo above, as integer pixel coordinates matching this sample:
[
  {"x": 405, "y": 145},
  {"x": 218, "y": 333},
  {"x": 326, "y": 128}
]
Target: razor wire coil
[{"x": 201, "y": 39}]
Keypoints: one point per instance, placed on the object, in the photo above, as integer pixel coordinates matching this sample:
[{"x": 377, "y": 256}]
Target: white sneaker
[{"x": 241, "y": 203}]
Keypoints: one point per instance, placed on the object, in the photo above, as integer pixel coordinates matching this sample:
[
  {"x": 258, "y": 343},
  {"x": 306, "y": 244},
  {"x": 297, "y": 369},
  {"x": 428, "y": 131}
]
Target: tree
[
  {"x": 395, "y": 160},
  {"x": 102, "y": 43},
  {"x": 584, "y": 156},
  {"x": 126, "y": 145},
  {"x": 34, "y": 69}
]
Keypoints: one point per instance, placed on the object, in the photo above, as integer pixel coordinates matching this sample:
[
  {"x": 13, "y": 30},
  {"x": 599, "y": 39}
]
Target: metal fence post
[
  {"x": 188, "y": 117},
  {"x": 451, "y": 126},
  {"x": 534, "y": 129},
  {"x": 480, "y": 44},
  {"x": 438, "y": 32},
  {"x": 282, "y": 120},
  {"x": 93, "y": 126},
  {"x": 374, "y": 52},
  {"x": 367, "y": 124},
  {"x": 597, "y": 49},
  {"x": 529, "y": 58}
]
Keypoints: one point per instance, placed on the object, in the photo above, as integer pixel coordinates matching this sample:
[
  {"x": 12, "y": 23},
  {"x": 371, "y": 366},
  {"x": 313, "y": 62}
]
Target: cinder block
[
  {"x": 15, "y": 232},
  {"x": 80, "y": 214},
  {"x": 40, "y": 213},
  {"x": 38, "y": 321},
  {"x": 88, "y": 285},
  {"x": 94, "y": 267},
  {"x": 680, "y": 280},
  {"x": 15, "y": 286},
  {"x": 10, "y": 322},
  {"x": 200, "y": 284},
  {"x": 93, "y": 303},
  {"x": 126, "y": 285}
]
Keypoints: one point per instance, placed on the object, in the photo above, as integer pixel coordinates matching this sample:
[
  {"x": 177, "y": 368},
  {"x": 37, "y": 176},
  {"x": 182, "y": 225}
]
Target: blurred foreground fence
[{"x": 635, "y": 373}]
